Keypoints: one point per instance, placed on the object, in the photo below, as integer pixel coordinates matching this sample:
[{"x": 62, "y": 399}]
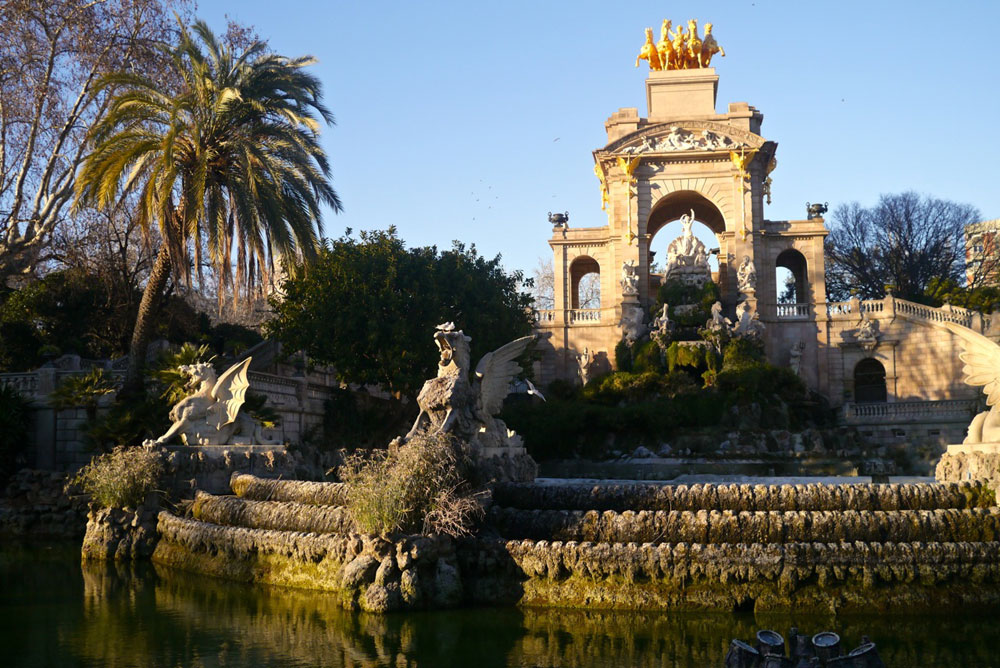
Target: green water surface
[{"x": 55, "y": 612}]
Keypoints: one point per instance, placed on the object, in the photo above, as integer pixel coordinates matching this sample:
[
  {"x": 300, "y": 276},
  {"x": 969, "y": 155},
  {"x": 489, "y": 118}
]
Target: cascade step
[
  {"x": 273, "y": 515},
  {"x": 778, "y": 527},
  {"x": 739, "y": 497},
  {"x": 308, "y": 493}
]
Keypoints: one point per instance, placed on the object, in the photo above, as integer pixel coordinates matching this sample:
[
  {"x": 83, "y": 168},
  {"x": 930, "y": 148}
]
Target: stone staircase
[{"x": 632, "y": 546}]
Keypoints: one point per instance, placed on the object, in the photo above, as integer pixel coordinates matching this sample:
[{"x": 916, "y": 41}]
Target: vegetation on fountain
[{"x": 669, "y": 387}]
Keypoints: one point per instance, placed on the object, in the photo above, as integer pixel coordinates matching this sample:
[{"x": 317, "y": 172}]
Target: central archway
[
  {"x": 674, "y": 205},
  {"x": 669, "y": 209}
]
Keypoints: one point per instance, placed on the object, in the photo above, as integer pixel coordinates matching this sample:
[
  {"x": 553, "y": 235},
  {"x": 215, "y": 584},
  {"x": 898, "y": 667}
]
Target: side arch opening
[{"x": 585, "y": 283}]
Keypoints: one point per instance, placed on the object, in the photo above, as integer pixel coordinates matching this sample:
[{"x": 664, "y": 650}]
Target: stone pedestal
[{"x": 681, "y": 93}]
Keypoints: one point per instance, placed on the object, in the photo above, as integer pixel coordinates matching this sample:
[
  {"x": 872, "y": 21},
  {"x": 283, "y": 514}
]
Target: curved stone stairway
[{"x": 635, "y": 546}]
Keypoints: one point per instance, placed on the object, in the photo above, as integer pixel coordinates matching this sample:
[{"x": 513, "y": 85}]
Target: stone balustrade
[
  {"x": 792, "y": 311},
  {"x": 903, "y": 411},
  {"x": 583, "y": 315},
  {"x": 544, "y": 316}
]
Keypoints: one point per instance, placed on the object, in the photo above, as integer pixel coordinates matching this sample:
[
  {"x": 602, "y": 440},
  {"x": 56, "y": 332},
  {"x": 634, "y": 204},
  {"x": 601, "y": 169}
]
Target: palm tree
[{"x": 227, "y": 158}]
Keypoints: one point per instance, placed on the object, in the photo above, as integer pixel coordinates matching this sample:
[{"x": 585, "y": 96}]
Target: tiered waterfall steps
[{"x": 631, "y": 546}]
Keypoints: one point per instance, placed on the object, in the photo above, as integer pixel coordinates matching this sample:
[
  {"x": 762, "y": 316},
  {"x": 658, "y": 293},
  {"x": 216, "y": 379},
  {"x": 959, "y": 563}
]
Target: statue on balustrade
[
  {"x": 211, "y": 414},
  {"x": 687, "y": 258},
  {"x": 982, "y": 369}
]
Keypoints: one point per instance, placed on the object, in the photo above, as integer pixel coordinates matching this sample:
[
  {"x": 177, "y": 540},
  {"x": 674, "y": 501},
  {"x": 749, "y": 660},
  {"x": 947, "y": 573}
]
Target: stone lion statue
[{"x": 210, "y": 415}]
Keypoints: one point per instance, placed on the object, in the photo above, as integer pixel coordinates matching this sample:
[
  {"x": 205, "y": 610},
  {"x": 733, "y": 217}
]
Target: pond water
[{"x": 55, "y": 612}]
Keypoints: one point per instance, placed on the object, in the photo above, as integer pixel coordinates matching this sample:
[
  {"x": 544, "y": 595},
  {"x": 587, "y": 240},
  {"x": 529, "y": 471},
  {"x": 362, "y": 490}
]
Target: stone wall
[
  {"x": 210, "y": 468},
  {"x": 769, "y": 527},
  {"x": 57, "y": 438},
  {"x": 796, "y": 576},
  {"x": 971, "y": 462},
  {"x": 121, "y": 534},
  {"x": 792, "y": 547},
  {"x": 297, "y": 491},
  {"x": 370, "y": 572},
  {"x": 736, "y": 497},
  {"x": 36, "y": 504}
]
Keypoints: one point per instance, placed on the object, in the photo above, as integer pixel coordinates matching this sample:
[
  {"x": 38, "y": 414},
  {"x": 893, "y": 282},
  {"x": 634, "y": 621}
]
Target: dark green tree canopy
[
  {"x": 906, "y": 241},
  {"x": 369, "y": 307}
]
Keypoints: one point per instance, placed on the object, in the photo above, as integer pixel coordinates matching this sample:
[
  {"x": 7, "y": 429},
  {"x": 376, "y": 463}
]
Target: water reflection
[{"x": 53, "y": 612}]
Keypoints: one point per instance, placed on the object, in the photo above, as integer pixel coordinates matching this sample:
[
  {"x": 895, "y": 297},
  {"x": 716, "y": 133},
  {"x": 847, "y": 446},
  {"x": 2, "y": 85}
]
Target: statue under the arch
[{"x": 687, "y": 258}]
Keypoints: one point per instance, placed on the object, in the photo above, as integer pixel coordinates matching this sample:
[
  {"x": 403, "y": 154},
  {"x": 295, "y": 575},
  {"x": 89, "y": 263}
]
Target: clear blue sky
[{"x": 472, "y": 120}]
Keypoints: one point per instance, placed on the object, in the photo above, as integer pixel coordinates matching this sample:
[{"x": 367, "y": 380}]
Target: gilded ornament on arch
[{"x": 599, "y": 172}]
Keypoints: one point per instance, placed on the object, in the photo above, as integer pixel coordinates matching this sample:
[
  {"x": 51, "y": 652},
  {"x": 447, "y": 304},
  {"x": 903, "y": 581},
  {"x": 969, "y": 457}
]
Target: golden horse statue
[
  {"x": 665, "y": 47},
  {"x": 693, "y": 45},
  {"x": 680, "y": 50},
  {"x": 649, "y": 53},
  {"x": 709, "y": 47}
]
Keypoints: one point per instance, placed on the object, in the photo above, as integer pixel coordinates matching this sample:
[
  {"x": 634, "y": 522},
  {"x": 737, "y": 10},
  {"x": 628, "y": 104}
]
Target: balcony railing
[
  {"x": 902, "y": 411},
  {"x": 792, "y": 311},
  {"x": 579, "y": 315},
  {"x": 545, "y": 316}
]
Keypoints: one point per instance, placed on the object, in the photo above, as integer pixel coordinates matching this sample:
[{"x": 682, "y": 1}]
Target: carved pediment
[{"x": 685, "y": 136}]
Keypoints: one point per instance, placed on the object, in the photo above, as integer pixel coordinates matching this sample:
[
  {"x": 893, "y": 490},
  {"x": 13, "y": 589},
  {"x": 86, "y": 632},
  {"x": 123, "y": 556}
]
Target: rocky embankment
[
  {"x": 38, "y": 504},
  {"x": 637, "y": 546}
]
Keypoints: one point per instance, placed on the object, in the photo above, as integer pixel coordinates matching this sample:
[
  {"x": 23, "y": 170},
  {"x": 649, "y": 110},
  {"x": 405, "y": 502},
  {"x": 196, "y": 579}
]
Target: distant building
[{"x": 982, "y": 261}]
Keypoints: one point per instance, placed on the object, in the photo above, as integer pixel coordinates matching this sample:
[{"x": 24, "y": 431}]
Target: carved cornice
[{"x": 660, "y": 131}]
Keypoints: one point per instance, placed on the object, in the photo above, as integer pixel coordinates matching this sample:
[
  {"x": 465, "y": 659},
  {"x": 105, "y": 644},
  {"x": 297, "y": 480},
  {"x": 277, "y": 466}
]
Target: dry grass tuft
[{"x": 418, "y": 487}]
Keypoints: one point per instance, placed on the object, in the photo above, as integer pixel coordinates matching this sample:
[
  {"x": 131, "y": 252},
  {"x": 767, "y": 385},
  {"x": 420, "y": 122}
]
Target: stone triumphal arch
[{"x": 684, "y": 159}]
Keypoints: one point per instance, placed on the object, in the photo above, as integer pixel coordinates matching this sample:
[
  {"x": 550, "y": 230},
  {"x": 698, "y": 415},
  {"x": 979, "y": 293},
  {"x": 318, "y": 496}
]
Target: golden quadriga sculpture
[{"x": 680, "y": 50}]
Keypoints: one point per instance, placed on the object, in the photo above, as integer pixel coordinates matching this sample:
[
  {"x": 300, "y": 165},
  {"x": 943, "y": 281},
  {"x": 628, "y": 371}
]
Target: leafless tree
[
  {"x": 52, "y": 54},
  {"x": 543, "y": 289},
  {"x": 904, "y": 241}
]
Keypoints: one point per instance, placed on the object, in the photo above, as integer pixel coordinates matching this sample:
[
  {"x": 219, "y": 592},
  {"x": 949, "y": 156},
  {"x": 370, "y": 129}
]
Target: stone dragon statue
[
  {"x": 465, "y": 405},
  {"x": 210, "y": 415}
]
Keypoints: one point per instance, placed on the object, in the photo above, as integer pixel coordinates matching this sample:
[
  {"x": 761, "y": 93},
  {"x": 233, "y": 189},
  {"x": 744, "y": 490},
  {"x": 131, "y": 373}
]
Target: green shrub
[
  {"x": 562, "y": 389},
  {"x": 417, "y": 487},
  {"x": 759, "y": 383},
  {"x": 121, "y": 478},
  {"x": 623, "y": 356},
  {"x": 647, "y": 357},
  {"x": 13, "y": 430},
  {"x": 743, "y": 353},
  {"x": 676, "y": 293},
  {"x": 679, "y": 355}
]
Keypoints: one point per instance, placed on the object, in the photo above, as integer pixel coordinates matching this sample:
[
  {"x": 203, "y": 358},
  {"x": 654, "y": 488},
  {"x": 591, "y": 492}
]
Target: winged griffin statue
[
  {"x": 465, "y": 405},
  {"x": 982, "y": 369},
  {"x": 211, "y": 414}
]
